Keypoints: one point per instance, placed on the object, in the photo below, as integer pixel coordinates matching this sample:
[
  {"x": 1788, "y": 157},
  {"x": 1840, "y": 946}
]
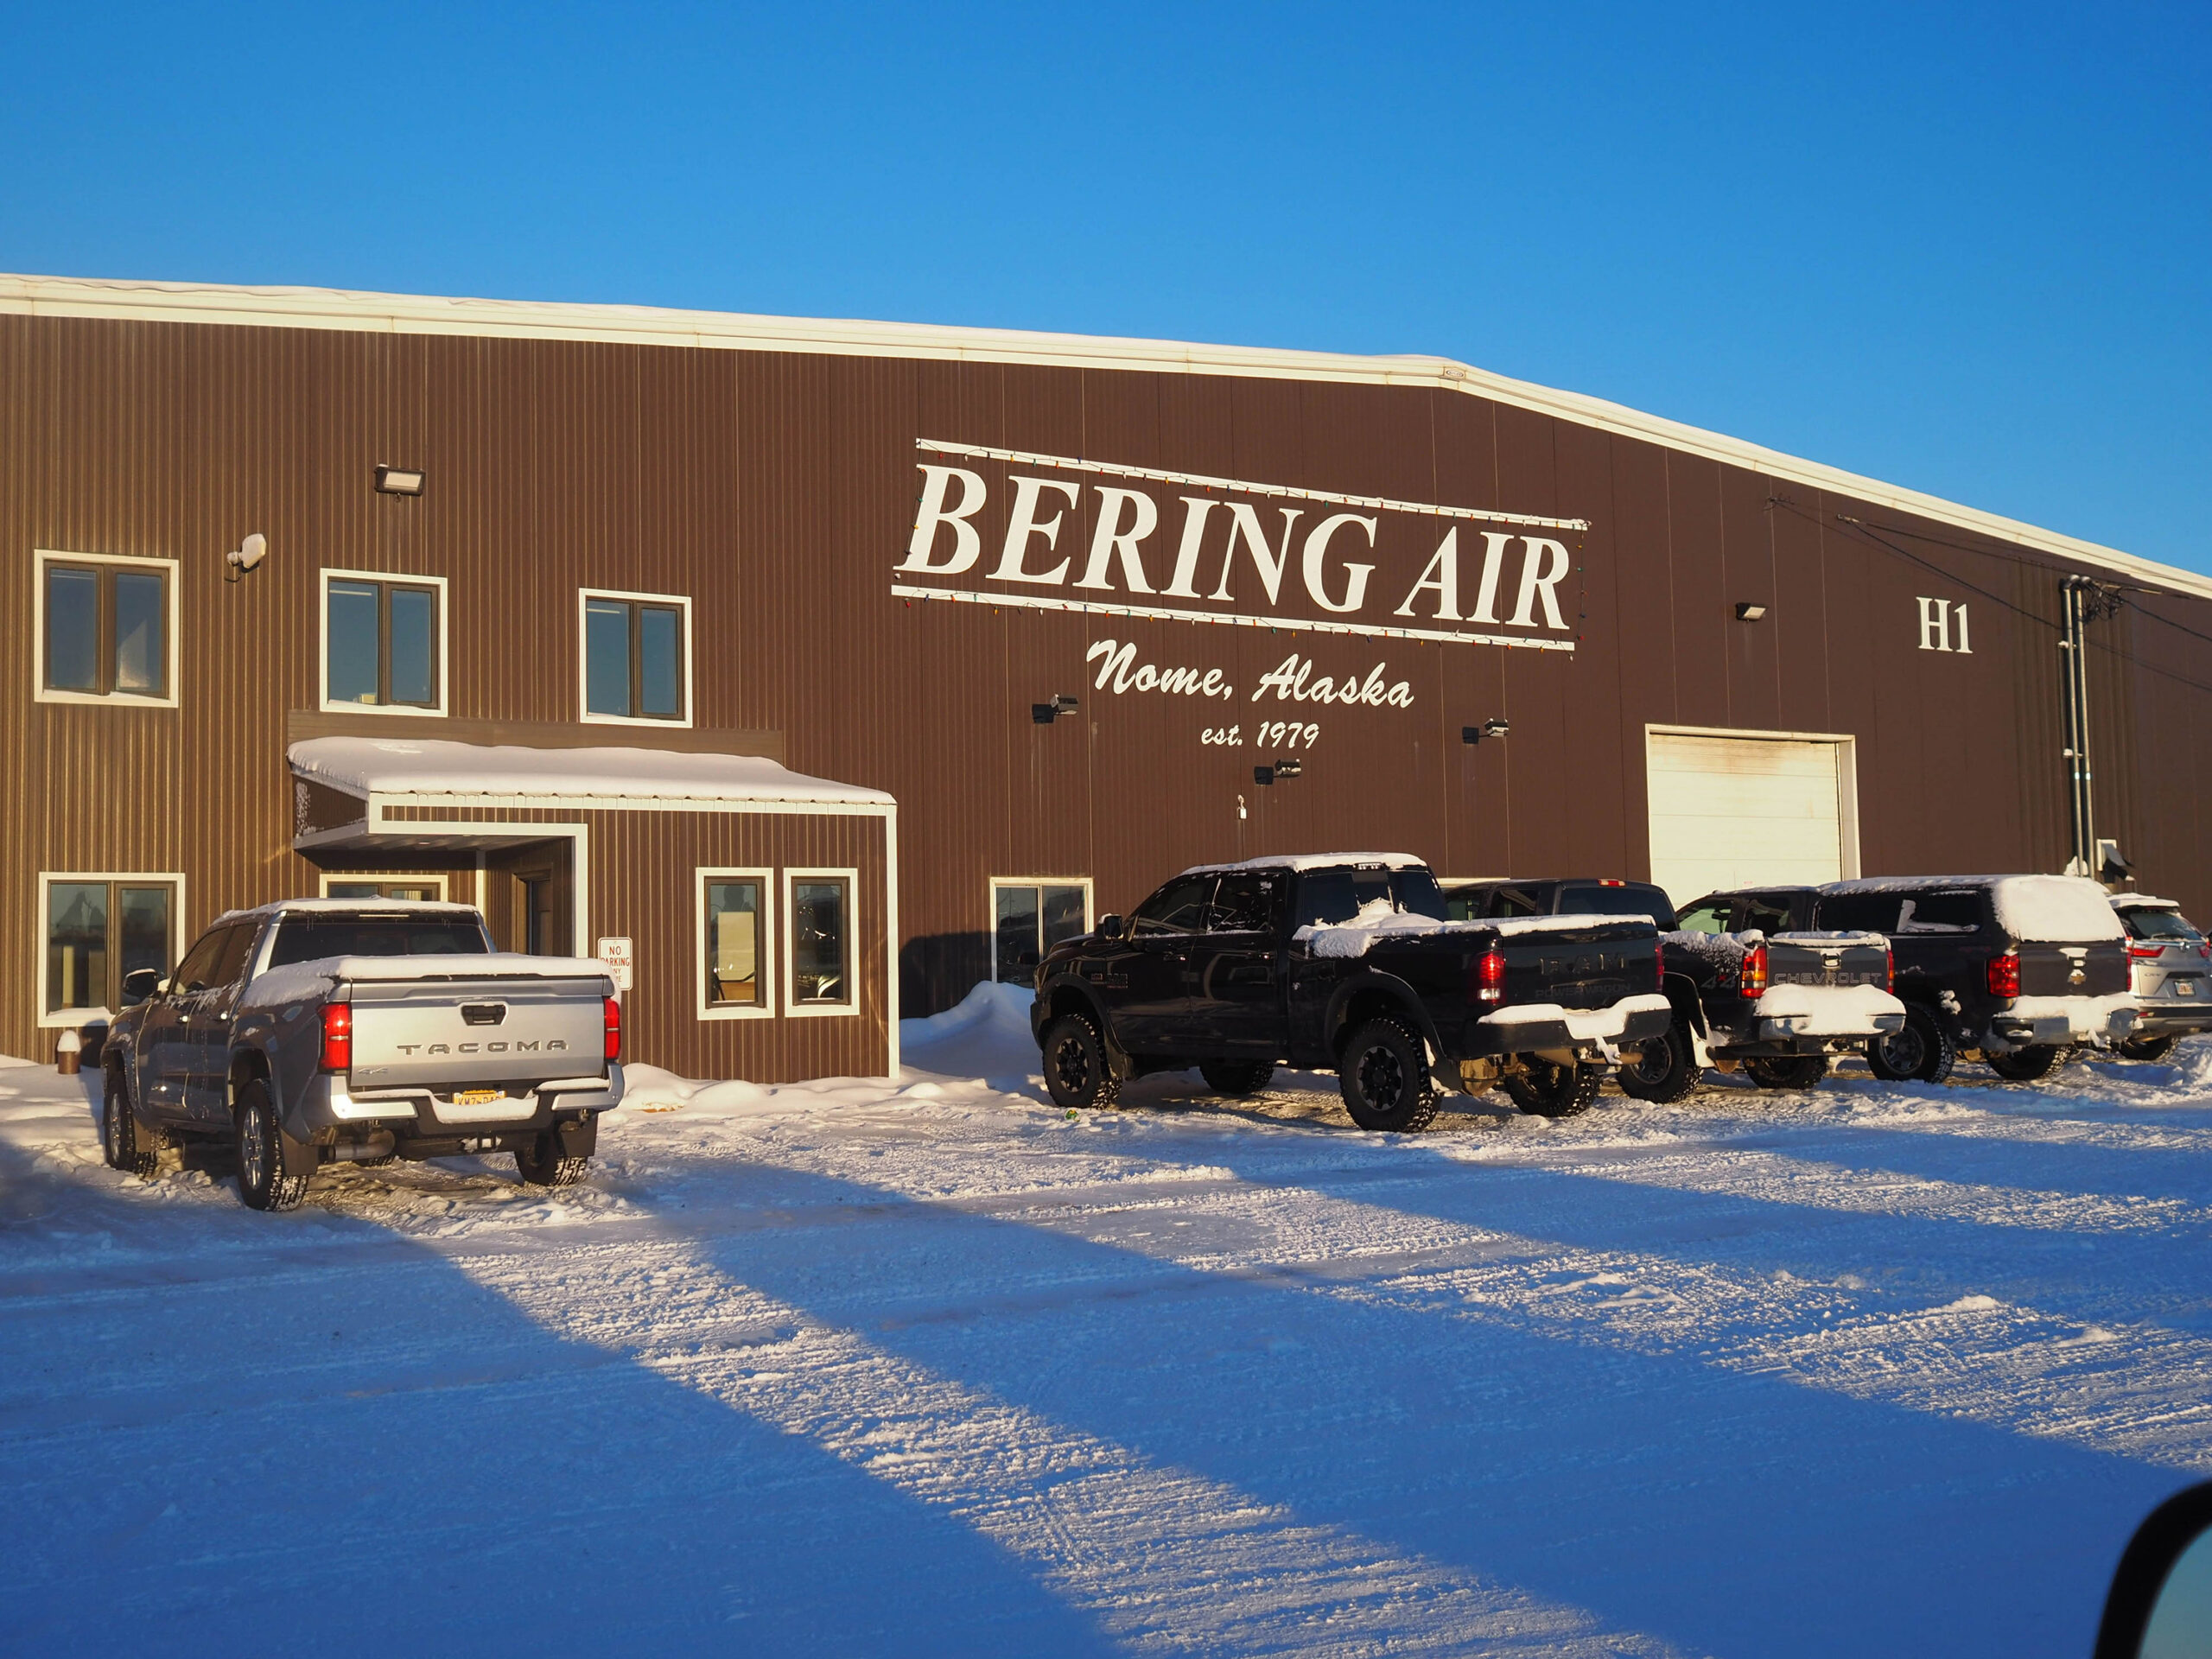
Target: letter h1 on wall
[{"x": 1936, "y": 631}]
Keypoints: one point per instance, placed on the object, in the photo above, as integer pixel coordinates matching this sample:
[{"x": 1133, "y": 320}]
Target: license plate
[
  {"x": 478, "y": 1096},
  {"x": 2185, "y": 988}
]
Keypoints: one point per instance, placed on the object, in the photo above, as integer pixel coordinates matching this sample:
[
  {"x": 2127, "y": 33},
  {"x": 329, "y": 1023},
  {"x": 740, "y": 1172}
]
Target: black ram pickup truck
[
  {"x": 1346, "y": 962},
  {"x": 1747, "y": 990},
  {"x": 2019, "y": 970}
]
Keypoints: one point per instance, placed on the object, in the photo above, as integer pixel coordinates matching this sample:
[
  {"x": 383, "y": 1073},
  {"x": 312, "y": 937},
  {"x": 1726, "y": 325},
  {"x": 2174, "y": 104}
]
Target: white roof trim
[
  {"x": 437, "y": 768},
  {"x": 642, "y": 325}
]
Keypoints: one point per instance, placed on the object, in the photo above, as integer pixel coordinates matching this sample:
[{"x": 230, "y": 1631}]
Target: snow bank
[
  {"x": 985, "y": 1035},
  {"x": 2068, "y": 909},
  {"x": 649, "y": 1089}
]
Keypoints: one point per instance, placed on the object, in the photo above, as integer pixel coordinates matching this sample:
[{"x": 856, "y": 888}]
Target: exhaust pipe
[{"x": 379, "y": 1144}]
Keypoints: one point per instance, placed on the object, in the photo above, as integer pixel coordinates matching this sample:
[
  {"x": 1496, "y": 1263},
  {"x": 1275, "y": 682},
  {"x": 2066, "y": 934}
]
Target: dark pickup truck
[
  {"x": 1346, "y": 962},
  {"x": 2018, "y": 969},
  {"x": 1747, "y": 990}
]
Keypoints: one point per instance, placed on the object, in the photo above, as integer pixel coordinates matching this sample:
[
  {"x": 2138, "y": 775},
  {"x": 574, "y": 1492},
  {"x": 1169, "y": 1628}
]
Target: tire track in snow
[
  {"x": 2133, "y": 1388},
  {"x": 1162, "y": 1558}
]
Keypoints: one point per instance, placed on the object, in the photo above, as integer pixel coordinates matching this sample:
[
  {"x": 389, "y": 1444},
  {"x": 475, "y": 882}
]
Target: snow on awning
[{"x": 436, "y": 766}]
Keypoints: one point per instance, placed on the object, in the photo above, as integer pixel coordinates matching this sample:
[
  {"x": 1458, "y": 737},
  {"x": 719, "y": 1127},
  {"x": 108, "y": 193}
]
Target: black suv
[
  {"x": 1747, "y": 991},
  {"x": 2020, "y": 969},
  {"x": 1346, "y": 962}
]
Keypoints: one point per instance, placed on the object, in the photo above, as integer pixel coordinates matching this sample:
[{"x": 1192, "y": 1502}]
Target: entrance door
[
  {"x": 536, "y": 882},
  {"x": 1746, "y": 809}
]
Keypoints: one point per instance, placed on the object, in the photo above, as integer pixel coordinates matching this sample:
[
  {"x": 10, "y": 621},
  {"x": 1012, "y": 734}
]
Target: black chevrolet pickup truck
[{"x": 1346, "y": 962}]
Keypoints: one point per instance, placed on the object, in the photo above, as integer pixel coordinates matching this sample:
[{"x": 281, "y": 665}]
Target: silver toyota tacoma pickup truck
[{"x": 326, "y": 1031}]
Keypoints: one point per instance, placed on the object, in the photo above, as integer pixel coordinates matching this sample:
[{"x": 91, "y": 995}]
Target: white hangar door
[{"x": 1743, "y": 809}]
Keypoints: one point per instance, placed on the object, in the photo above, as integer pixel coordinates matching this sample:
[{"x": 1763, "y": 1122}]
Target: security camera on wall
[{"x": 247, "y": 555}]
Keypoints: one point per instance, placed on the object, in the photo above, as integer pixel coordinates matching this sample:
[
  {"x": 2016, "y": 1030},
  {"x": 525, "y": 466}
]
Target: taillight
[
  {"x": 1486, "y": 977},
  {"x": 1751, "y": 973},
  {"x": 613, "y": 1031},
  {"x": 1889, "y": 968},
  {"x": 337, "y": 1037},
  {"x": 2005, "y": 975},
  {"x": 2204, "y": 949},
  {"x": 2142, "y": 951}
]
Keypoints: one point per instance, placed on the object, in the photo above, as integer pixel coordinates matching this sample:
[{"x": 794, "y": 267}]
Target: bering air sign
[{"x": 1044, "y": 532}]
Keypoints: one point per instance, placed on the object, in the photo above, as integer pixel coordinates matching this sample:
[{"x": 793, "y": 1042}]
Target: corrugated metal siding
[{"x": 777, "y": 489}]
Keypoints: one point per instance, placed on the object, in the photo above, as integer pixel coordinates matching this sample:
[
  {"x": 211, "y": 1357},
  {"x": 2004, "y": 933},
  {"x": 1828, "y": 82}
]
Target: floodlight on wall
[
  {"x": 1490, "y": 727},
  {"x": 1045, "y": 712},
  {"x": 400, "y": 480},
  {"x": 1748, "y": 612},
  {"x": 246, "y": 556}
]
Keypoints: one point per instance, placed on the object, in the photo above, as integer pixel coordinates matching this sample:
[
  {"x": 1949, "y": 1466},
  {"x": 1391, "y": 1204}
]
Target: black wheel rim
[
  {"x": 1906, "y": 1052},
  {"x": 1653, "y": 1063},
  {"x": 1381, "y": 1079},
  {"x": 1072, "y": 1067}
]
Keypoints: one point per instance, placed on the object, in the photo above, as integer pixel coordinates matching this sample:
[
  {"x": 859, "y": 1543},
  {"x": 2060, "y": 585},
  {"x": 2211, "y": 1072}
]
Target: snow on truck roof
[
  {"x": 346, "y": 907},
  {"x": 1314, "y": 861},
  {"x": 2068, "y": 907},
  {"x": 392, "y": 765}
]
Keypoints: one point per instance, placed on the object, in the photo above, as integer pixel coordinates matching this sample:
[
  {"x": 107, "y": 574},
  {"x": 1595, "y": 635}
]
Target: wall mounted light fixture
[
  {"x": 400, "y": 480},
  {"x": 1748, "y": 612},
  {"x": 1491, "y": 728},
  {"x": 246, "y": 556},
  {"x": 1045, "y": 712}
]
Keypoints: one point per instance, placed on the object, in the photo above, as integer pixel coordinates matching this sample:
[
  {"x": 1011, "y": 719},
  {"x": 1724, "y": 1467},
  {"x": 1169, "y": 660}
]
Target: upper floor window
[
  {"x": 636, "y": 657},
  {"x": 106, "y": 629},
  {"x": 383, "y": 642}
]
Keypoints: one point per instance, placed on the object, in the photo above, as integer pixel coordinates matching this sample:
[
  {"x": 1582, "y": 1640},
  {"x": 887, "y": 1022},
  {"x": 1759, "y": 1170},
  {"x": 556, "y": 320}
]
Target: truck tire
[
  {"x": 1384, "y": 1077},
  {"x": 2148, "y": 1048},
  {"x": 1551, "y": 1091},
  {"x": 541, "y": 1163},
  {"x": 1664, "y": 1071},
  {"x": 262, "y": 1181},
  {"x": 1077, "y": 1074},
  {"x": 2028, "y": 1064},
  {"x": 1236, "y": 1078},
  {"x": 1787, "y": 1071},
  {"x": 1923, "y": 1052},
  {"x": 121, "y": 1142}
]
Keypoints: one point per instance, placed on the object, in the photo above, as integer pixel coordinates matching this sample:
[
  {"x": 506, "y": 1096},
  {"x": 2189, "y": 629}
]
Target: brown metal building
[{"x": 836, "y": 666}]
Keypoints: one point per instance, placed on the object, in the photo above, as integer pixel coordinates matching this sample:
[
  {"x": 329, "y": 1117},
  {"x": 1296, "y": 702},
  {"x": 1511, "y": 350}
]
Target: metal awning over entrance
[{"x": 389, "y": 793}]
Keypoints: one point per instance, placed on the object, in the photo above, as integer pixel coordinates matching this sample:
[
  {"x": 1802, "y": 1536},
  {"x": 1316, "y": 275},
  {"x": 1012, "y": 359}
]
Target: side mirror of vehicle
[
  {"x": 2161, "y": 1597},
  {"x": 1109, "y": 926},
  {"x": 142, "y": 983}
]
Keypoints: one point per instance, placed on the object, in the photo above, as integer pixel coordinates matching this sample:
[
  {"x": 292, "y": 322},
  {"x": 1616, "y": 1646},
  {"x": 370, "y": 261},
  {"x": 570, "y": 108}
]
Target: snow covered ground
[{"x": 934, "y": 1368}]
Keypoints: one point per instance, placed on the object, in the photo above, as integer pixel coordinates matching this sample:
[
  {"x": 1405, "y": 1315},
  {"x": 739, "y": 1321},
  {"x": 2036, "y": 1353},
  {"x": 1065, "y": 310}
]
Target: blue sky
[{"x": 1964, "y": 250}]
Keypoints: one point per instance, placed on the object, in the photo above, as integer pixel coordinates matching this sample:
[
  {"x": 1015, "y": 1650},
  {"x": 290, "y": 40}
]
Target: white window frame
[
  {"x": 851, "y": 1005},
  {"x": 181, "y": 937},
  {"x": 41, "y": 557},
  {"x": 991, "y": 901},
  {"x": 683, "y": 603},
  {"x": 329, "y": 574},
  {"x": 441, "y": 879},
  {"x": 765, "y": 953}
]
